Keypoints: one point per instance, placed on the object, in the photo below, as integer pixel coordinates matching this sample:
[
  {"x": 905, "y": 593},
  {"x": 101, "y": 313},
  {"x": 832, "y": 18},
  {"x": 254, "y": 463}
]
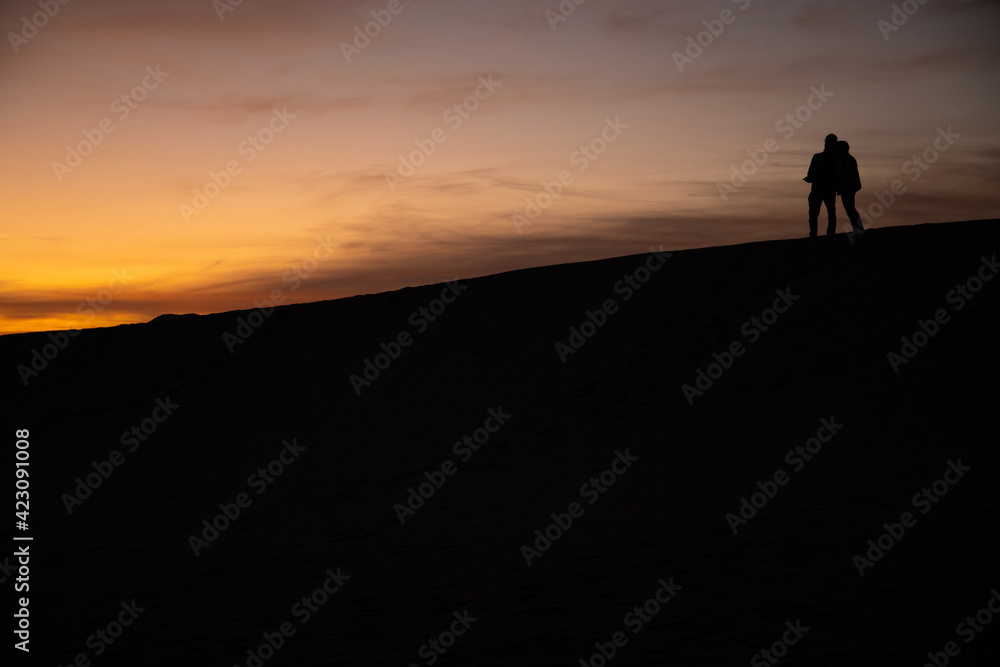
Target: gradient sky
[{"x": 66, "y": 236}]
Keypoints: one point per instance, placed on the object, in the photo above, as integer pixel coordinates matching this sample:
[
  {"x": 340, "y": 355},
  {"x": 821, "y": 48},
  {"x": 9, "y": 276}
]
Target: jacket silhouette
[
  {"x": 848, "y": 178},
  {"x": 848, "y": 183},
  {"x": 822, "y": 175}
]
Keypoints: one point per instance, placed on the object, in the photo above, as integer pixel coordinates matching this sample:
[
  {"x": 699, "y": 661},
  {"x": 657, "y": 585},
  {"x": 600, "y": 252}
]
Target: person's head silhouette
[
  {"x": 830, "y": 142},
  {"x": 843, "y": 148}
]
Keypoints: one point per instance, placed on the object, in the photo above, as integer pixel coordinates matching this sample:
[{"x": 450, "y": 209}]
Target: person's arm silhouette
[{"x": 813, "y": 170}]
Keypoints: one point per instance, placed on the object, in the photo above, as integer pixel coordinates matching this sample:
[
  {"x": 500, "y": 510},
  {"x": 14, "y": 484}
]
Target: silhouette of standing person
[
  {"x": 848, "y": 183},
  {"x": 823, "y": 176}
]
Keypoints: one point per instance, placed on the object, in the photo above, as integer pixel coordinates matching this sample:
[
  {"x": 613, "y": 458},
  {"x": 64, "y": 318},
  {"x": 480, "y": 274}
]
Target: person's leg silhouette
[
  {"x": 815, "y": 202},
  {"x": 831, "y": 213},
  {"x": 852, "y": 212}
]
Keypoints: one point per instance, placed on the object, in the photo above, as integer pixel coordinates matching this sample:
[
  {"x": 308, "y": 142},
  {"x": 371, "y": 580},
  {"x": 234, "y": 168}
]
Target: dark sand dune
[{"x": 494, "y": 348}]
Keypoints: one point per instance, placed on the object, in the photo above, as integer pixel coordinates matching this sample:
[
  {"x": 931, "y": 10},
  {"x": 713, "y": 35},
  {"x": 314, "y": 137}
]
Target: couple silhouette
[{"x": 833, "y": 172}]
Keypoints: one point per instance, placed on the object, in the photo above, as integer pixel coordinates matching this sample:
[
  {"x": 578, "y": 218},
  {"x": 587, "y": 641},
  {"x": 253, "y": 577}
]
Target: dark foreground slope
[{"x": 819, "y": 370}]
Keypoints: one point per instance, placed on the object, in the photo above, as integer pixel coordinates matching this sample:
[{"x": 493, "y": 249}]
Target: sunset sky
[{"x": 114, "y": 113}]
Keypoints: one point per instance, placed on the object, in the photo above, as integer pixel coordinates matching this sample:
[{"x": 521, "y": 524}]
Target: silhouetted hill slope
[
  {"x": 166, "y": 317},
  {"x": 489, "y": 360}
]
